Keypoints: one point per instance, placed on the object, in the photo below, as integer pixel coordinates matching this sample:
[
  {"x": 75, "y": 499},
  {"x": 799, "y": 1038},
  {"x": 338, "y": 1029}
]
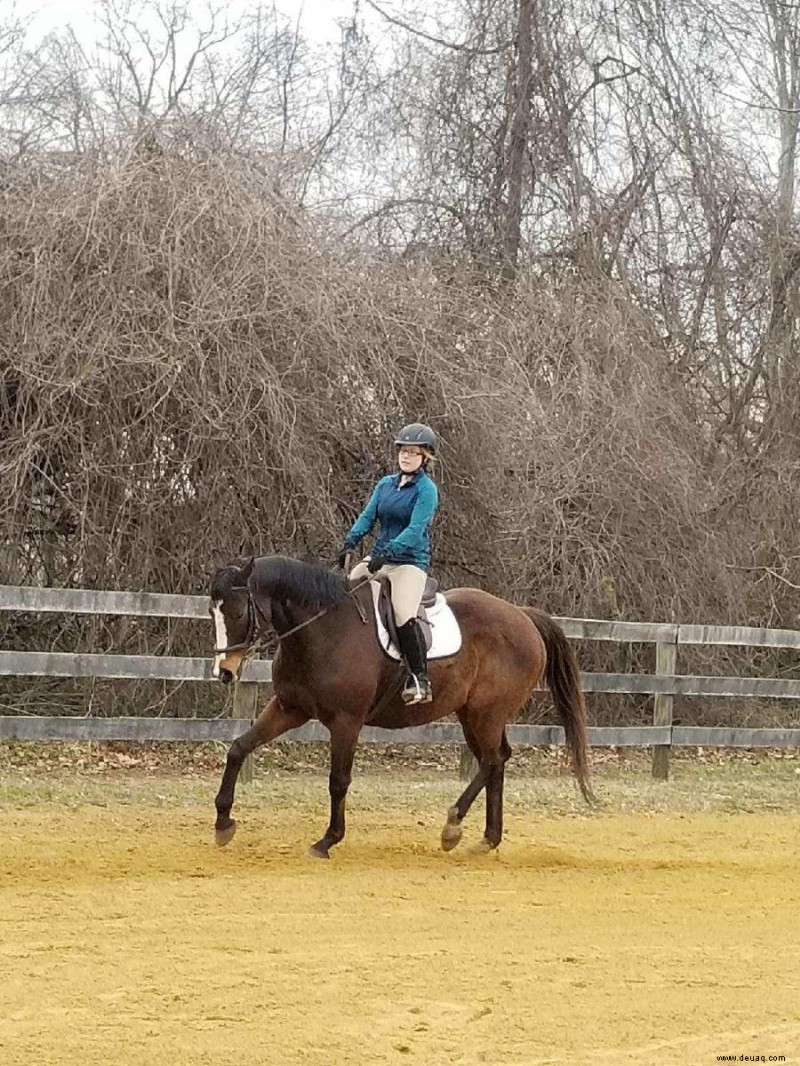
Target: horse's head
[
  {"x": 233, "y": 611},
  {"x": 246, "y": 594}
]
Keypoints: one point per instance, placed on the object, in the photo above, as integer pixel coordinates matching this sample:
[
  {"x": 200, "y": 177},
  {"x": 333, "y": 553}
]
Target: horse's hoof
[
  {"x": 225, "y": 836},
  {"x": 315, "y": 852},
  {"x": 483, "y": 847},
  {"x": 451, "y": 837}
]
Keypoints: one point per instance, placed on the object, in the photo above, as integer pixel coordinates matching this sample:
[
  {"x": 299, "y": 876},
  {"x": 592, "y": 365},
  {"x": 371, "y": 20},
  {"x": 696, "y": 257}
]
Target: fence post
[
  {"x": 245, "y": 705},
  {"x": 666, "y": 660}
]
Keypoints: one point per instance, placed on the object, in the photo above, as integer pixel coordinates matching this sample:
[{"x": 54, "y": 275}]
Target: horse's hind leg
[
  {"x": 272, "y": 722},
  {"x": 494, "y": 763},
  {"x": 492, "y": 754},
  {"x": 451, "y": 833}
]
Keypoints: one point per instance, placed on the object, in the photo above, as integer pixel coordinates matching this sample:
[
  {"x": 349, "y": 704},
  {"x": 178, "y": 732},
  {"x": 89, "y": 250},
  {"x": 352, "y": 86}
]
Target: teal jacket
[{"x": 405, "y": 514}]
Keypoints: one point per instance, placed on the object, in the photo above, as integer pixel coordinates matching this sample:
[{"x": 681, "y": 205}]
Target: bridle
[{"x": 255, "y": 629}]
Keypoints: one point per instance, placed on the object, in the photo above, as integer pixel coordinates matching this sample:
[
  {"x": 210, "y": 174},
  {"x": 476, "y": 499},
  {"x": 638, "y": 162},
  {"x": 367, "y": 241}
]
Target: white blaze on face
[{"x": 220, "y": 635}]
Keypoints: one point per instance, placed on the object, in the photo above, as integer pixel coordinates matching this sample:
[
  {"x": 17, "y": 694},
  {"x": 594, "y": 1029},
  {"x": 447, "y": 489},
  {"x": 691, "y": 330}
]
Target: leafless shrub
[{"x": 193, "y": 363}]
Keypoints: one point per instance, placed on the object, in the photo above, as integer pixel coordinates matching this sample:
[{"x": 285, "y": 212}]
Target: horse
[{"x": 329, "y": 666}]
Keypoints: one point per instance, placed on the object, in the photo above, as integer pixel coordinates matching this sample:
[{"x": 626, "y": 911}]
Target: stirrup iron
[{"x": 414, "y": 692}]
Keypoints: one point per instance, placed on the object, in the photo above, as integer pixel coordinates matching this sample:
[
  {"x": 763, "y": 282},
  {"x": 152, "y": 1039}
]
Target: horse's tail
[{"x": 564, "y": 680}]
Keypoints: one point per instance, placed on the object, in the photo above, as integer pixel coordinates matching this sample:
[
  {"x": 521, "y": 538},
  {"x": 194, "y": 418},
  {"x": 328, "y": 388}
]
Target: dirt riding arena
[{"x": 661, "y": 929}]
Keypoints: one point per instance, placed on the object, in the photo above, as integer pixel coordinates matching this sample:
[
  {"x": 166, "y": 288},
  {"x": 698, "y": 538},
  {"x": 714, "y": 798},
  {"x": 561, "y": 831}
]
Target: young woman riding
[{"x": 404, "y": 505}]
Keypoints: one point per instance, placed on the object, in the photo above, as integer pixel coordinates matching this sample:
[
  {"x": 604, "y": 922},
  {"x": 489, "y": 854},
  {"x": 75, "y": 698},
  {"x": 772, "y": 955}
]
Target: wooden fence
[{"x": 664, "y": 684}]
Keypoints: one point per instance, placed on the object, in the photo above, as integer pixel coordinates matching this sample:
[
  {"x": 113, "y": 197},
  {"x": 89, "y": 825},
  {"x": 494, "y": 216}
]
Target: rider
[{"x": 404, "y": 504}]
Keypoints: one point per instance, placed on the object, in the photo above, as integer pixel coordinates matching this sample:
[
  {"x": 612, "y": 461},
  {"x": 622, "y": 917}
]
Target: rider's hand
[{"x": 376, "y": 562}]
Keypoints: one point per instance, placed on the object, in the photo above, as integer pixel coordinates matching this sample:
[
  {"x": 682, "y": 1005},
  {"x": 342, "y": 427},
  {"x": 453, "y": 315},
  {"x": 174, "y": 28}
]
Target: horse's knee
[{"x": 238, "y": 752}]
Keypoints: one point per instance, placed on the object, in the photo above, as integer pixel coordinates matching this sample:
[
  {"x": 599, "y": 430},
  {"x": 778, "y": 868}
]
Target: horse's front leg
[
  {"x": 272, "y": 722},
  {"x": 344, "y": 737}
]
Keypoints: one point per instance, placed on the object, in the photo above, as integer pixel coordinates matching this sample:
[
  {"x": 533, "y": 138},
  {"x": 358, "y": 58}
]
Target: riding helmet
[{"x": 417, "y": 433}]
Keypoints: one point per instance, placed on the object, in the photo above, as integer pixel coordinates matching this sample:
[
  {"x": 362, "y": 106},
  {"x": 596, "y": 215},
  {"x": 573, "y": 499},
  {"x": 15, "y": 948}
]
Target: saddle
[{"x": 386, "y": 610}]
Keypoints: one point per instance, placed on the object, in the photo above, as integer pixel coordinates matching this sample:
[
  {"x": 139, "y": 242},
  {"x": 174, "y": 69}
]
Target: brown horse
[{"x": 330, "y": 666}]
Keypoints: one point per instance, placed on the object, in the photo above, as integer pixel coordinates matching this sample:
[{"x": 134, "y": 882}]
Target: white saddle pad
[{"x": 445, "y": 630}]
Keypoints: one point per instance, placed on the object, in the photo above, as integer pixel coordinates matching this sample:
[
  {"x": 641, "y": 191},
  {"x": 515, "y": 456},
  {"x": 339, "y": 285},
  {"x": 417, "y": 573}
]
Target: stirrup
[{"x": 415, "y": 691}]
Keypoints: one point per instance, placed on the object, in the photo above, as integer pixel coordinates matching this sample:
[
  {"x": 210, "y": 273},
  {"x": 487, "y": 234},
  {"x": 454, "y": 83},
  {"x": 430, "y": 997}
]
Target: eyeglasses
[{"x": 410, "y": 452}]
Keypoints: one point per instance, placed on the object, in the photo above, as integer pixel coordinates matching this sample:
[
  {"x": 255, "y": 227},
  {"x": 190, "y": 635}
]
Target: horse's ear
[{"x": 247, "y": 569}]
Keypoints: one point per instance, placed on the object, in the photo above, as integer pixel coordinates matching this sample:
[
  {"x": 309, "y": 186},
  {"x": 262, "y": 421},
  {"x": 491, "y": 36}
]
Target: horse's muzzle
[{"x": 225, "y": 677}]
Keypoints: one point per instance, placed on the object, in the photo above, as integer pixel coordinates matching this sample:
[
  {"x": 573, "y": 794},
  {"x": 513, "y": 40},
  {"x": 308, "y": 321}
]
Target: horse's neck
[{"x": 286, "y": 615}]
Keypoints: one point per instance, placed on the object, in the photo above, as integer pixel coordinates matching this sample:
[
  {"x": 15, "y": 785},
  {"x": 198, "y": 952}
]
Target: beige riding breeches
[{"x": 408, "y": 584}]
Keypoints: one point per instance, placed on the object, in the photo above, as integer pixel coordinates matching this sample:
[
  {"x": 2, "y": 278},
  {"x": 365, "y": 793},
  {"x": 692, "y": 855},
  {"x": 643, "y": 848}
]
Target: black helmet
[{"x": 417, "y": 433}]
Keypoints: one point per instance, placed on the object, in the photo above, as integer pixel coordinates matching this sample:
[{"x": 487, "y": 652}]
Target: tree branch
[{"x": 438, "y": 40}]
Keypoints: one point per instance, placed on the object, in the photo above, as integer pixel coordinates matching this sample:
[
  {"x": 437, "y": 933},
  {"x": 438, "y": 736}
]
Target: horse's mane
[{"x": 304, "y": 584}]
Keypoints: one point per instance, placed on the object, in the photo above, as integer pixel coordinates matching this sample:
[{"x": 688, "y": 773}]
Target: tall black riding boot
[{"x": 417, "y": 688}]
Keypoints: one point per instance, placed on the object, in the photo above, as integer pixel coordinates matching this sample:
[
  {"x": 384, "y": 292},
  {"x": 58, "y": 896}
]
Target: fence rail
[
  {"x": 664, "y": 684},
  {"x": 227, "y": 729},
  {"x": 162, "y": 605}
]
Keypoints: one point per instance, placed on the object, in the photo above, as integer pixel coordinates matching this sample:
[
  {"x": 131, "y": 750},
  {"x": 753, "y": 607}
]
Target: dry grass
[{"x": 419, "y": 779}]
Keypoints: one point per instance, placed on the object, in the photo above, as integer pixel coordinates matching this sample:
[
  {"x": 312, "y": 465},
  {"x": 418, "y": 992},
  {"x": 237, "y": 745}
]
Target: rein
[{"x": 350, "y": 592}]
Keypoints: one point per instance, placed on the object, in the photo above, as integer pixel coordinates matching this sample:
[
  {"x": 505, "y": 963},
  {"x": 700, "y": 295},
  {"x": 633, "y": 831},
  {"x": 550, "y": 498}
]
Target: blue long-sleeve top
[{"x": 405, "y": 513}]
